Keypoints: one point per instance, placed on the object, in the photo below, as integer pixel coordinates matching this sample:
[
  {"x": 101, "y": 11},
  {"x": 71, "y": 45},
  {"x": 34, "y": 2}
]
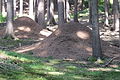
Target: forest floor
[
  {"x": 57, "y": 53},
  {"x": 71, "y": 41},
  {"x": 15, "y": 66}
]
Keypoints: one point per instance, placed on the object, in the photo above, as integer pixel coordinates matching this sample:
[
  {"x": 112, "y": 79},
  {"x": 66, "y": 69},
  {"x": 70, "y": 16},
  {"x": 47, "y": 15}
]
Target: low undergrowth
[
  {"x": 15, "y": 66},
  {"x": 8, "y": 44}
]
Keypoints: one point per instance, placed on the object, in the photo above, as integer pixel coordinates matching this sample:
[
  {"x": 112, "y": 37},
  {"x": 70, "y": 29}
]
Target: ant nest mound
[
  {"x": 70, "y": 41},
  {"x": 25, "y": 27}
]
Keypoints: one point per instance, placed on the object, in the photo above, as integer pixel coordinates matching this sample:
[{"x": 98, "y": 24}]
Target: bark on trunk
[
  {"x": 41, "y": 14},
  {"x": 61, "y": 12},
  {"x": 14, "y": 8},
  {"x": 21, "y": 8},
  {"x": 0, "y": 6},
  {"x": 106, "y": 3},
  {"x": 116, "y": 15},
  {"x": 90, "y": 11},
  {"x": 9, "y": 29},
  {"x": 67, "y": 9},
  {"x": 96, "y": 44},
  {"x": 75, "y": 11},
  {"x": 31, "y": 6},
  {"x": 50, "y": 12}
]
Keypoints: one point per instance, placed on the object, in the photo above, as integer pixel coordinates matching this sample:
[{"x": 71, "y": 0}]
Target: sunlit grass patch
[
  {"x": 16, "y": 66},
  {"x": 81, "y": 78},
  {"x": 17, "y": 57},
  {"x": 53, "y": 61},
  {"x": 38, "y": 66},
  {"x": 8, "y": 44},
  {"x": 56, "y": 73}
]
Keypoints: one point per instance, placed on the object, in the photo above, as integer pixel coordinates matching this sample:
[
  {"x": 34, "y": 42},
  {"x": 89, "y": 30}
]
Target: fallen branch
[{"x": 110, "y": 61}]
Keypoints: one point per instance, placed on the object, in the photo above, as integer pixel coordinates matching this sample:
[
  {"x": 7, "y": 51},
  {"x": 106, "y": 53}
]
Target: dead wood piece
[{"x": 110, "y": 61}]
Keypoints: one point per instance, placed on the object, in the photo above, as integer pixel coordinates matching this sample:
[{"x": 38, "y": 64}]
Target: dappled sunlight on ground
[
  {"x": 103, "y": 69},
  {"x": 3, "y": 56},
  {"x": 81, "y": 62},
  {"x": 22, "y": 36},
  {"x": 27, "y": 48},
  {"x": 23, "y": 28},
  {"x": 114, "y": 66},
  {"x": 25, "y": 66},
  {"x": 81, "y": 78},
  {"x": 45, "y": 32},
  {"x": 83, "y": 35},
  {"x": 89, "y": 49},
  {"x": 27, "y": 27},
  {"x": 56, "y": 73}
]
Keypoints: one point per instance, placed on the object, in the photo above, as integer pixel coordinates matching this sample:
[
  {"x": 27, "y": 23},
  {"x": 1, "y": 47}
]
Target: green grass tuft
[{"x": 16, "y": 66}]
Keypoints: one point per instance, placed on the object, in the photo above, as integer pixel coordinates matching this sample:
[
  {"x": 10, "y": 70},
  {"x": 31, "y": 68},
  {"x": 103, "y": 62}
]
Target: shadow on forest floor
[{"x": 14, "y": 66}]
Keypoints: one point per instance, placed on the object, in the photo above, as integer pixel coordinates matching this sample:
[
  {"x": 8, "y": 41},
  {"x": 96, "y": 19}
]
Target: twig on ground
[{"x": 110, "y": 61}]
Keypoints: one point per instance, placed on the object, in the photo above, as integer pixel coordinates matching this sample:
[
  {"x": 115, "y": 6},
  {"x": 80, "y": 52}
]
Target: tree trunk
[
  {"x": 55, "y": 5},
  {"x": 36, "y": 8},
  {"x": 60, "y": 12},
  {"x": 119, "y": 19},
  {"x": 67, "y": 9},
  {"x": 9, "y": 29},
  {"x": 109, "y": 6},
  {"x": 0, "y": 6},
  {"x": 31, "y": 6},
  {"x": 4, "y": 8},
  {"x": 116, "y": 15},
  {"x": 106, "y": 3},
  {"x": 80, "y": 5},
  {"x": 75, "y": 11},
  {"x": 21, "y": 8},
  {"x": 14, "y": 8},
  {"x": 50, "y": 12},
  {"x": 90, "y": 12},
  {"x": 96, "y": 44},
  {"x": 41, "y": 14},
  {"x": 65, "y": 17}
]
